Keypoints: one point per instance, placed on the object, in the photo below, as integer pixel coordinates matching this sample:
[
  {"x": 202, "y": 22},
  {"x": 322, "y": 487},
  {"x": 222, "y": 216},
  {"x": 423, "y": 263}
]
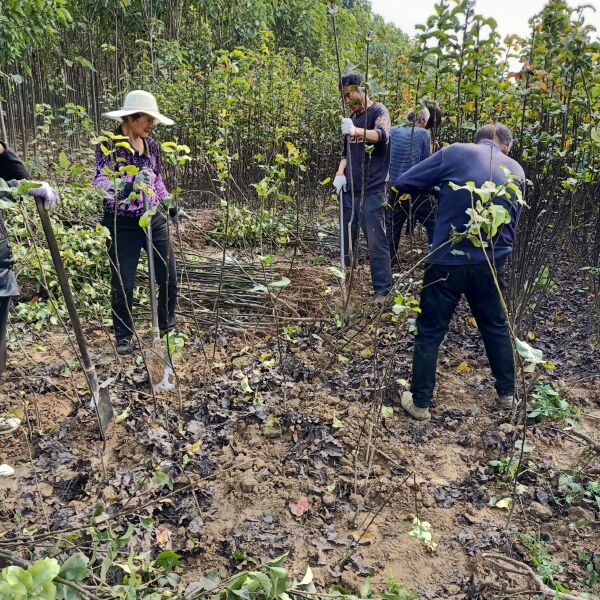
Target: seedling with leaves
[
  {"x": 506, "y": 466},
  {"x": 422, "y": 531},
  {"x": 547, "y": 403},
  {"x": 485, "y": 216},
  {"x": 542, "y": 562},
  {"x": 571, "y": 491},
  {"x": 591, "y": 564}
]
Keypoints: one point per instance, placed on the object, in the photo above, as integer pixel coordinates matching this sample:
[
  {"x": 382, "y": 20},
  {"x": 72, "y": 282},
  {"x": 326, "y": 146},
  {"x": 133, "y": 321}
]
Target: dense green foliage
[
  {"x": 252, "y": 89},
  {"x": 153, "y": 579},
  {"x": 247, "y": 82}
]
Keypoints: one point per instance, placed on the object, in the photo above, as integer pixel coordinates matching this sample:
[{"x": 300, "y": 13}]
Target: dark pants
[
  {"x": 373, "y": 225},
  {"x": 124, "y": 256},
  {"x": 4, "y": 307},
  {"x": 419, "y": 209},
  {"x": 443, "y": 287}
]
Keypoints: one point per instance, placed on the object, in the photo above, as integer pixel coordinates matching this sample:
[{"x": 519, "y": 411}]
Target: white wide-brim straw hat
[{"x": 139, "y": 101}]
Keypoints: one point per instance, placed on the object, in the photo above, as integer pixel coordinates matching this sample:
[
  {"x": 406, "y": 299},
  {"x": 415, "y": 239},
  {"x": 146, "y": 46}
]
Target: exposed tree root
[{"x": 510, "y": 565}]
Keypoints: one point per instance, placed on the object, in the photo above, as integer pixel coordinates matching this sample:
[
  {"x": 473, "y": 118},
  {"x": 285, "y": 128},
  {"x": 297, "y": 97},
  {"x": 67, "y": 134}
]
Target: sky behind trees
[{"x": 512, "y": 15}]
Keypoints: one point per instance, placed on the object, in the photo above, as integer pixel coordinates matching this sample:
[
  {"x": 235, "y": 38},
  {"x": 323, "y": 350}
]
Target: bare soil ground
[{"x": 310, "y": 427}]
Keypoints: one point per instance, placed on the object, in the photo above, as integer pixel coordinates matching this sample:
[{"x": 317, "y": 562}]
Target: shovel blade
[
  {"x": 104, "y": 407},
  {"x": 156, "y": 366}
]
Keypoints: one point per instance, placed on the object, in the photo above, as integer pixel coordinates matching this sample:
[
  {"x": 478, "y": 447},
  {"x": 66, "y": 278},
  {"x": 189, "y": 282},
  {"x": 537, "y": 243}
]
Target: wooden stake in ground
[{"x": 100, "y": 392}]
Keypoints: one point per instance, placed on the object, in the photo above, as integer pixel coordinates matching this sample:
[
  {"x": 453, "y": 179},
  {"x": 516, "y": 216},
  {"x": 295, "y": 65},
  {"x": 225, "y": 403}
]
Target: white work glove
[
  {"x": 348, "y": 127},
  {"x": 145, "y": 176},
  {"x": 48, "y": 196},
  {"x": 340, "y": 183}
]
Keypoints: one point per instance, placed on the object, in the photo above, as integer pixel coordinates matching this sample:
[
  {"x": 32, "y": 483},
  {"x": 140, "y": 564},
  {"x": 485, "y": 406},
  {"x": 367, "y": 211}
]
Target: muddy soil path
[{"x": 252, "y": 453}]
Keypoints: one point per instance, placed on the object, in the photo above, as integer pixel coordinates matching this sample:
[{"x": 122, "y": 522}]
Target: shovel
[
  {"x": 344, "y": 285},
  {"x": 157, "y": 360},
  {"x": 100, "y": 392}
]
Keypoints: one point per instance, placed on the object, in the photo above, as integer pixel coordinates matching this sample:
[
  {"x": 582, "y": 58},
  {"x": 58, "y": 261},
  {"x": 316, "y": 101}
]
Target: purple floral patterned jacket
[{"x": 149, "y": 160}]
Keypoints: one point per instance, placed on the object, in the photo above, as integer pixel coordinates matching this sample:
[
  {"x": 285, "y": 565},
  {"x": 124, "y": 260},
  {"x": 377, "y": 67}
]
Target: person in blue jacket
[
  {"x": 409, "y": 145},
  {"x": 457, "y": 268}
]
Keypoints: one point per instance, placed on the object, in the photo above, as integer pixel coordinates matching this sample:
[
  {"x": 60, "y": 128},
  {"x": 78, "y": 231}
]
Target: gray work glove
[
  {"x": 340, "y": 183},
  {"x": 179, "y": 217},
  {"x": 48, "y": 196},
  {"x": 145, "y": 176}
]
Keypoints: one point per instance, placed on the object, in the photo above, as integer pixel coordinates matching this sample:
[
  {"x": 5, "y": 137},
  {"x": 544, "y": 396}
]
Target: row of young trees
[{"x": 242, "y": 79}]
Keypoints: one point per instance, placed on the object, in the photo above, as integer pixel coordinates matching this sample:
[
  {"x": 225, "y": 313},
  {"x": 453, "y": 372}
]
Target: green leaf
[
  {"x": 281, "y": 283},
  {"x": 308, "y": 577},
  {"x": 64, "y": 593},
  {"x": 277, "y": 562},
  {"x": 129, "y": 169},
  {"x": 43, "y": 570},
  {"x": 338, "y": 273},
  {"x": 18, "y": 579},
  {"x": 24, "y": 187},
  {"x": 84, "y": 62},
  {"x": 168, "y": 560},
  {"x": 387, "y": 412},
  {"x": 504, "y": 503},
  {"x": 125, "y": 145},
  {"x": 162, "y": 479},
  {"x": 63, "y": 161},
  {"x": 122, "y": 416},
  {"x": 107, "y": 563},
  {"x": 246, "y": 386},
  {"x": 263, "y": 580},
  {"x": 365, "y": 588},
  {"x": 146, "y": 218},
  {"x": 336, "y": 423},
  {"x": 75, "y": 567},
  {"x": 7, "y": 204},
  {"x": 279, "y": 579}
]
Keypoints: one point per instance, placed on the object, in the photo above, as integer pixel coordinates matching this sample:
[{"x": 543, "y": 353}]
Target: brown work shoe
[{"x": 420, "y": 414}]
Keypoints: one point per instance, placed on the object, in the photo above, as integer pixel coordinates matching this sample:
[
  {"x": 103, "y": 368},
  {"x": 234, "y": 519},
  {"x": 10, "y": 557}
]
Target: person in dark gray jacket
[
  {"x": 12, "y": 170},
  {"x": 460, "y": 267},
  {"x": 360, "y": 179}
]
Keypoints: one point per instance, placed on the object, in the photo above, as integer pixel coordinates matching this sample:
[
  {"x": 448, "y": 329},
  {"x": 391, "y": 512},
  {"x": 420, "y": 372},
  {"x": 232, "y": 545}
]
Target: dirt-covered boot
[
  {"x": 8, "y": 425},
  {"x": 6, "y": 470},
  {"x": 506, "y": 402},
  {"x": 420, "y": 414},
  {"x": 124, "y": 347}
]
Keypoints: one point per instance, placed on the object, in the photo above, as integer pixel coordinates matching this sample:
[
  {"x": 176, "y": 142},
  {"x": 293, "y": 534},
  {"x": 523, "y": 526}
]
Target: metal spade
[{"x": 100, "y": 392}]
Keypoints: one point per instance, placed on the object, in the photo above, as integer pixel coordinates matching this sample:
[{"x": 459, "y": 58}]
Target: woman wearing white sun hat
[{"x": 138, "y": 117}]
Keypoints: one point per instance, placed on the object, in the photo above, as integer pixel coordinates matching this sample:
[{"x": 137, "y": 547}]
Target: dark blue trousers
[
  {"x": 443, "y": 287},
  {"x": 373, "y": 226},
  {"x": 419, "y": 208}
]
